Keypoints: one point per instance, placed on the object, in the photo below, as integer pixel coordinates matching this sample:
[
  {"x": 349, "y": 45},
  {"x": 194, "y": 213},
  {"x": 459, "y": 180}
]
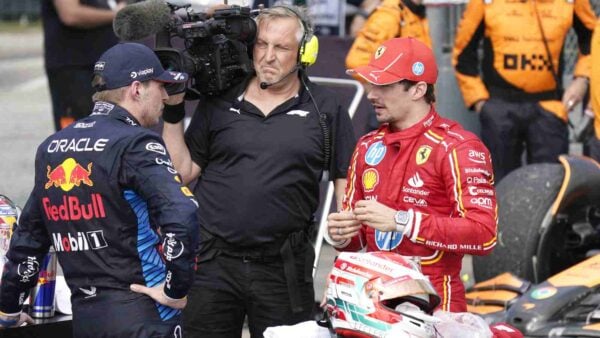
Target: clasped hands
[{"x": 343, "y": 225}]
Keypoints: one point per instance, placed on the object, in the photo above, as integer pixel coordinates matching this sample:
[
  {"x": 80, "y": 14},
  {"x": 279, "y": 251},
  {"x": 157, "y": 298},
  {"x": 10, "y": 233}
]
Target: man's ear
[
  {"x": 134, "y": 90},
  {"x": 420, "y": 89}
]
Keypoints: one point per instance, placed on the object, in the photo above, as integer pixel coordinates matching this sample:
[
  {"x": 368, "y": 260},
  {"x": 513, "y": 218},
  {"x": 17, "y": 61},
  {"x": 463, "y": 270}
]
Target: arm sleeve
[
  {"x": 352, "y": 195},
  {"x": 464, "y": 56},
  {"x": 471, "y": 228},
  {"x": 584, "y": 20},
  {"x": 171, "y": 206},
  {"x": 382, "y": 25},
  {"x": 28, "y": 246}
]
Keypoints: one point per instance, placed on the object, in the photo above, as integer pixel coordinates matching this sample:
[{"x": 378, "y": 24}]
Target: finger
[
  {"x": 26, "y": 318},
  {"x": 362, "y": 217},
  {"x": 140, "y": 289},
  {"x": 179, "y": 304},
  {"x": 323, "y": 300}
]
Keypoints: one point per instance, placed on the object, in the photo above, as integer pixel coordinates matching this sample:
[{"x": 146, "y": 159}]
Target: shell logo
[{"x": 370, "y": 178}]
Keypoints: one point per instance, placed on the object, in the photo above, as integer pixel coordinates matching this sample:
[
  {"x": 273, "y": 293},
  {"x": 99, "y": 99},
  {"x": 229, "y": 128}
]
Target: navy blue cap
[{"x": 126, "y": 62}]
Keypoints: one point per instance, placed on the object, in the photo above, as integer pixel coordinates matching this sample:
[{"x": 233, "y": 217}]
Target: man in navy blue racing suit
[{"x": 104, "y": 186}]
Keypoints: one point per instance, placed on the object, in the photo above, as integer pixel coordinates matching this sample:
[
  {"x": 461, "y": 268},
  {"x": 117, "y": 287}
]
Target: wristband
[{"x": 174, "y": 113}]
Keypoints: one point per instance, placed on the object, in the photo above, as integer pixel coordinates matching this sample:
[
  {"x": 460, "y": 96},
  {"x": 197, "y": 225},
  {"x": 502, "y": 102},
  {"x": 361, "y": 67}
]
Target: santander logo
[{"x": 416, "y": 181}]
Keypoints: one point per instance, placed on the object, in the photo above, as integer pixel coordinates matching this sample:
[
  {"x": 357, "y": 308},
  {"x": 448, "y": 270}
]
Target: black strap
[{"x": 545, "y": 41}]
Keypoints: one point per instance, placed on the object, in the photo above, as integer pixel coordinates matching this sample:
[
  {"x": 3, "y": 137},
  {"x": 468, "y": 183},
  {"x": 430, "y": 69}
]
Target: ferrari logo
[
  {"x": 423, "y": 154},
  {"x": 379, "y": 52}
]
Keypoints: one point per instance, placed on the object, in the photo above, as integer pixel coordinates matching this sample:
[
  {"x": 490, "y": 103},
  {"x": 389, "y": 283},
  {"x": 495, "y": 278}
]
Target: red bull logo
[
  {"x": 69, "y": 174},
  {"x": 72, "y": 208}
]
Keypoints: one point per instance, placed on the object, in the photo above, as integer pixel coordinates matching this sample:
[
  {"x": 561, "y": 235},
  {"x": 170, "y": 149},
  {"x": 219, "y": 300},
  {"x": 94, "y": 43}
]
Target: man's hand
[
  {"x": 342, "y": 226},
  {"x": 478, "y": 106},
  {"x": 574, "y": 94},
  {"x": 375, "y": 215},
  {"x": 157, "y": 293},
  {"x": 175, "y": 99},
  {"x": 17, "y": 320}
]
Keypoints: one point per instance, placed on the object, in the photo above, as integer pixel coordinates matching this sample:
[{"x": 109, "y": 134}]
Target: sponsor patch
[
  {"x": 477, "y": 171},
  {"x": 79, "y": 241},
  {"x": 375, "y": 153},
  {"x": 416, "y": 181},
  {"x": 387, "y": 241},
  {"x": 475, "y": 191},
  {"x": 99, "y": 66},
  {"x": 73, "y": 208},
  {"x": 172, "y": 248},
  {"x": 418, "y": 68},
  {"x": 379, "y": 52},
  {"x": 102, "y": 108},
  {"x": 81, "y": 145},
  {"x": 423, "y": 154},
  {"x": 28, "y": 268},
  {"x": 476, "y": 180},
  {"x": 484, "y": 202},
  {"x": 301, "y": 113},
  {"x": 477, "y": 156},
  {"x": 186, "y": 191},
  {"x": 156, "y": 147},
  {"x": 83, "y": 125},
  {"x": 544, "y": 292},
  {"x": 69, "y": 174},
  {"x": 420, "y": 202},
  {"x": 370, "y": 179}
]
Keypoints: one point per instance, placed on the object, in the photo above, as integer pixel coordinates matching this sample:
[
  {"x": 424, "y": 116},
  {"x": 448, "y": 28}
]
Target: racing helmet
[
  {"x": 380, "y": 294},
  {"x": 9, "y": 214}
]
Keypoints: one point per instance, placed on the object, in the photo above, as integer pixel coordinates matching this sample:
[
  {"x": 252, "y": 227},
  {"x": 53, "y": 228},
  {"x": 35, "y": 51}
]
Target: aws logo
[{"x": 69, "y": 174}]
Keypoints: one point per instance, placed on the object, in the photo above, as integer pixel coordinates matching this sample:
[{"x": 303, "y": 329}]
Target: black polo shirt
[{"x": 260, "y": 175}]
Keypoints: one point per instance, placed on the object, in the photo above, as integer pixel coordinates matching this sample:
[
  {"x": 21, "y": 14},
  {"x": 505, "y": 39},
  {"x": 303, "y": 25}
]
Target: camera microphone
[
  {"x": 140, "y": 20},
  {"x": 265, "y": 85}
]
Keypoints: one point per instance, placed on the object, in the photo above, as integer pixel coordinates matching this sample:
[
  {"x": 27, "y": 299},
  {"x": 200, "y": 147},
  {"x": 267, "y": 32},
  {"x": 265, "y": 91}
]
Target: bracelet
[{"x": 174, "y": 113}]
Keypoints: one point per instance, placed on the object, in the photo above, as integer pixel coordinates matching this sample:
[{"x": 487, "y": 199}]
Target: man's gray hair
[{"x": 280, "y": 10}]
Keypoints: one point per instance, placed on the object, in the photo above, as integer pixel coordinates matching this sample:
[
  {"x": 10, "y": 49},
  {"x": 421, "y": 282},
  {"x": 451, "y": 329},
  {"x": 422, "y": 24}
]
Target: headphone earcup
[{"x": 309, "y": 51}]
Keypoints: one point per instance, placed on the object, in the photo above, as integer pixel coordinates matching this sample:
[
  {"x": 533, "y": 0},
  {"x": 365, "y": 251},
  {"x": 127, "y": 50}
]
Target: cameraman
[{"x": 260, "y": 148}]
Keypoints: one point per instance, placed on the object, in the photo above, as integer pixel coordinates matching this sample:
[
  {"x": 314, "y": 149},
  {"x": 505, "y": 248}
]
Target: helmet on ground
[{"x": 380, "y": 294}]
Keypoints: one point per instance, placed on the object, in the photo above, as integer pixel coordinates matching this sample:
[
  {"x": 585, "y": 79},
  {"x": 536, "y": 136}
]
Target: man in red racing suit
[{"x": 420, "y": 185}]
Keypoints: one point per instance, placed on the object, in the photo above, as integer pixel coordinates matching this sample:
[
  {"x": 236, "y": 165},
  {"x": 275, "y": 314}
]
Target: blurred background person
[
  {"x": 594, "y": 140},
  {"x": 390, "y": 19},
  {"x": 76, "y": 33},
  {"x": 519, "y": 94}
]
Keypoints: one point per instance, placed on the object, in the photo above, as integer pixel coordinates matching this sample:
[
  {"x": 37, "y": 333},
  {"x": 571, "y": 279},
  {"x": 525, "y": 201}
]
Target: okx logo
[{"x": 69, "y": 174}]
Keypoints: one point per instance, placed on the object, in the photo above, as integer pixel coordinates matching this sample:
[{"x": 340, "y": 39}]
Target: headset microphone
[{"x": 265, "y": 85}]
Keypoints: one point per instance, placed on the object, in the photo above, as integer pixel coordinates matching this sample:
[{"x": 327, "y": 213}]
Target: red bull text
[{"x": 41, "y": 299}]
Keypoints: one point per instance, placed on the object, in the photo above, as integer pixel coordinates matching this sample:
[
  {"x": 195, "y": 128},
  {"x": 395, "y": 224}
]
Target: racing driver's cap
[
  {"x": 399, "y": 59},
  {"x": 127, "y": 62}
]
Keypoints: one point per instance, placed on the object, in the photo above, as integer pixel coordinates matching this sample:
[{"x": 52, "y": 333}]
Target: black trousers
[
  {"x": 71, "y": 93},
  {"x": 509, "y": 128},
  {"x": 229, "y": 288},
  {"x": 122, "y": 313}
]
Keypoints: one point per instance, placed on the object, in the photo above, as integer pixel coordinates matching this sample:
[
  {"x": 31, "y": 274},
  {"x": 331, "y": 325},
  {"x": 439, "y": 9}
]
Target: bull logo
[{"x": 69, "y": 174}]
